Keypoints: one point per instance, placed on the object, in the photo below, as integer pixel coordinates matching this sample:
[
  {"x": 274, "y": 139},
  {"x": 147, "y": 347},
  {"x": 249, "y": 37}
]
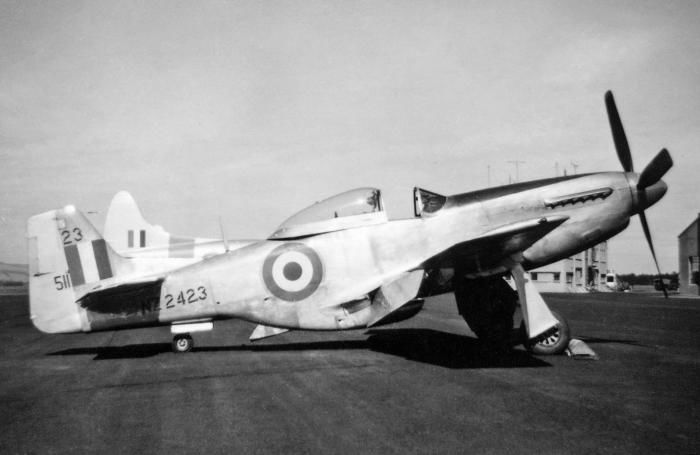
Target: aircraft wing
[{"x": 489, "y": 251}]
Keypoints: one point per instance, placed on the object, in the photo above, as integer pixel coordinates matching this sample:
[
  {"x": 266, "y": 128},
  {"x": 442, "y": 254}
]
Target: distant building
[
  {"x": 689, "y": 259},
  {"x": 579, "y": 273}
]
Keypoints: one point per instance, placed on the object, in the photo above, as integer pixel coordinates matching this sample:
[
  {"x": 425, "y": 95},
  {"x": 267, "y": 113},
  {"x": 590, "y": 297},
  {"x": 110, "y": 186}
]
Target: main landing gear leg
[
  {"x": 182, "y": 343},
  {"x": 544, "y": 332}
]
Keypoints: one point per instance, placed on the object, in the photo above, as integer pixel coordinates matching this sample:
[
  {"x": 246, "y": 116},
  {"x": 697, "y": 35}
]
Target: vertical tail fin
[
  {"x": 130, "y": 234},
  {"x": 67, "y": 258},
  {"x": 126, "y": 228}
]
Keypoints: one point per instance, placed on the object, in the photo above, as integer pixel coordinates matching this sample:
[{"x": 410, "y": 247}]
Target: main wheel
[
  {"x": 182, "y": 343},
  {"x": 554, "y": 343}
]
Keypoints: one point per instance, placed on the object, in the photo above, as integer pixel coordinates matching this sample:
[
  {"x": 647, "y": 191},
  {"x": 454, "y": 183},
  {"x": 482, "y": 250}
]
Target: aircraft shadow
[
  {"x": 594, "y": 340},
  {"x": 129, "y": 351},
  {"x": 447, "y": 350},
  {"x": 132, "y": 351},
  {"x": 433, "y": 347}
]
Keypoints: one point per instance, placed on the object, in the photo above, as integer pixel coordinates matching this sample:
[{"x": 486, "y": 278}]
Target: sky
[{"x": 251, "y": 111}]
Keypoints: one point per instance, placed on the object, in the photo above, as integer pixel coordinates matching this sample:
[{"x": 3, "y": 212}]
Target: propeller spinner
[{"x": 649, "y": 187}]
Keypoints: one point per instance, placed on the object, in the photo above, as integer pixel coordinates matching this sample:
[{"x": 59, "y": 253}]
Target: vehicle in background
[
  {"x": 669, "y": 284},
  {"x": 613, "y": 283}
]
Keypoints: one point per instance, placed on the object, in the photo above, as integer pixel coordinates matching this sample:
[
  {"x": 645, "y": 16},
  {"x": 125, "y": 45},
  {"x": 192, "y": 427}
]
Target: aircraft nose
[{"x": 654, "y": 192}]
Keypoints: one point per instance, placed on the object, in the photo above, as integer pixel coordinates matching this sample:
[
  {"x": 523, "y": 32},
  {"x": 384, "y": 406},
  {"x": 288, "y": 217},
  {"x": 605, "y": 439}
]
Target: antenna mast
[
  {"x": 517, "y": 172},
  {"x": 223, "y": 235},
  {"x": 575, "y": 166}
]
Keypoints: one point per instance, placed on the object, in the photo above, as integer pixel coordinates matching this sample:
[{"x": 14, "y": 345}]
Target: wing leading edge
[{"x": 495, "y": 250}]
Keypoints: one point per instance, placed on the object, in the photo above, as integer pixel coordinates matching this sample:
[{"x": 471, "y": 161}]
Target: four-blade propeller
[{"x": 650, "y": 176}]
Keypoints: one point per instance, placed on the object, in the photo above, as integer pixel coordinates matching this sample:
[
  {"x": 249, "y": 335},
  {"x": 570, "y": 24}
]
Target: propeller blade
[
  {"x": 618, "y": 132},
  {"x": 656, "y": 169},
  {"x": 647, "y": 234}
]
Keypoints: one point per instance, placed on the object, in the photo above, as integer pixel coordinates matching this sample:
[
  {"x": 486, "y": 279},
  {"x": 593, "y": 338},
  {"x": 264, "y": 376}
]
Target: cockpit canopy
[{"x": 354, "y": 208}]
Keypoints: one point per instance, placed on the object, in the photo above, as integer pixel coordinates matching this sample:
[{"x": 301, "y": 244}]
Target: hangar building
[
  {"x": 580, "y": 273},
  {"x": 689, "y": 259}
]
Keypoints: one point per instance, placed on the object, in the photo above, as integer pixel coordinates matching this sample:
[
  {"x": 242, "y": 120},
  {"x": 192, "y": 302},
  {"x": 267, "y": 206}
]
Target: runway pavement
[{"x": 423, "y": 385}]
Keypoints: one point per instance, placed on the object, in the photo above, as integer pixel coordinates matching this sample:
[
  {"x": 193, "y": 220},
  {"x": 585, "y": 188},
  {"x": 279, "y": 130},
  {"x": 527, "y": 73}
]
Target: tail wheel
[
  {"x": 555, "y": 342},
  {"x": 182, "y": 343}
]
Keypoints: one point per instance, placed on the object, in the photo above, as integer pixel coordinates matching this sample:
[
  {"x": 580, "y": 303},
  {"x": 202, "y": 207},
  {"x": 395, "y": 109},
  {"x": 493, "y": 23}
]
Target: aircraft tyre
[
  {"x": 182, "y": 343},
  {"x": 554, "y": 343}
]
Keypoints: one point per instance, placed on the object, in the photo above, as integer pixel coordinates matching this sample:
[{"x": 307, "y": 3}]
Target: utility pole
[
  {"x": 517, "y": 173},
  {"x": 575, "y": 166}
]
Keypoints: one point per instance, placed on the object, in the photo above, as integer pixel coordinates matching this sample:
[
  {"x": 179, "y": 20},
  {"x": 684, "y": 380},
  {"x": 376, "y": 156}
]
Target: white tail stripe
[{"x": 87, "y": 259}]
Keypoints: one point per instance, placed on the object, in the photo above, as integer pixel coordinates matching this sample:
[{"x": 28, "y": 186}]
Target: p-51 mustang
[{"x": 341, "y": 264}]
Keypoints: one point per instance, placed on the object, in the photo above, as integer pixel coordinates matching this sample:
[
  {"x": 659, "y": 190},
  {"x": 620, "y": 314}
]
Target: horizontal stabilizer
[{"x": 264, "y": 331}]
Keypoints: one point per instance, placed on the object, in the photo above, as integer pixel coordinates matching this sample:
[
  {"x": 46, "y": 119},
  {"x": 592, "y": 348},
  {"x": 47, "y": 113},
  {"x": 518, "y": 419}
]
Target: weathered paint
[{"x": 326, "y": 281}]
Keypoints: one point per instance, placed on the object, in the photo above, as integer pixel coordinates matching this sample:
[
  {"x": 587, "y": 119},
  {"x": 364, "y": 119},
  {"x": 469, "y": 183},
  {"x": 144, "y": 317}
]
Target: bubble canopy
[{"x": 354, "y": 208}]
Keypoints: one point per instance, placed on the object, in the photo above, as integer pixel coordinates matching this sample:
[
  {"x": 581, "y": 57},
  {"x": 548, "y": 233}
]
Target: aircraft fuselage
[{"x": 326, "y": 281}]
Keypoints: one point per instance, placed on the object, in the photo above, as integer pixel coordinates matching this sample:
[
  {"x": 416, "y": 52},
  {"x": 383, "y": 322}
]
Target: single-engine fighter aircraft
[{"x": 341, "y": 264}]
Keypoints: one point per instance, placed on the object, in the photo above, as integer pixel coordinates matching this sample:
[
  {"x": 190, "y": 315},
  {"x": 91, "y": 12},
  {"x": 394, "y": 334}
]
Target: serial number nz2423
[{"x": 185, "y": 297}]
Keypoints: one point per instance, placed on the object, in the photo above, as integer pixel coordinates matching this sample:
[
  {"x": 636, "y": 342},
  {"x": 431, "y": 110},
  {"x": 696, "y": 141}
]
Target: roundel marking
[{"x": 292, "y": 271}]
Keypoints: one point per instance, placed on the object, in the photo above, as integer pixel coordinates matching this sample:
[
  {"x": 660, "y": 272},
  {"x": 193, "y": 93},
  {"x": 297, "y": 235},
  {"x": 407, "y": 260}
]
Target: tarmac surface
[{"x": 423, "y": 385}]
